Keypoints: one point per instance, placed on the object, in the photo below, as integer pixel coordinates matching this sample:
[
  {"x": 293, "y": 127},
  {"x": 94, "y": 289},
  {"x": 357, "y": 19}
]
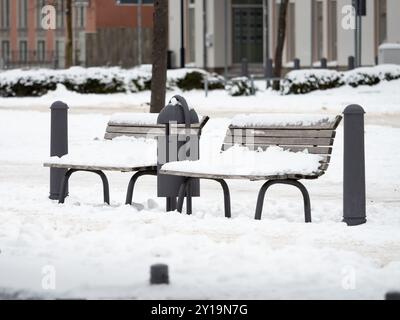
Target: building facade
[
  {"x": 104, "y": 33},
  {"x": 220, "y": 33}
]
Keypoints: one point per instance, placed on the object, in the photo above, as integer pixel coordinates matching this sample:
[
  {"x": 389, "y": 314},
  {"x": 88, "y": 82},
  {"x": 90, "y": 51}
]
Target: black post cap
[{"x": 159, "y": 274}]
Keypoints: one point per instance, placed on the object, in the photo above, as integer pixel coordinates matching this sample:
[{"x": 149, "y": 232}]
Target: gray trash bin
[{"x": 179, "y": 143}]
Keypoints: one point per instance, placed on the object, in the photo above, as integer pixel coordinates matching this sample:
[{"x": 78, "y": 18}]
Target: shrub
[
  {"x": 304, "y": 81},
  {"x": 240, "y": 86},
  {"x": 195, "y": 80}
]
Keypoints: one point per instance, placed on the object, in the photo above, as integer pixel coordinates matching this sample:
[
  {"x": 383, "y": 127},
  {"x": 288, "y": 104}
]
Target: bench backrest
[
  {"x": 316, "y": 137},
  {"x": 121, "y": 125}
]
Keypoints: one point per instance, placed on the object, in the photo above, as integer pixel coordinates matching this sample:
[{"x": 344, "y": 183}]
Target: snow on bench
[
  {"x": 241, "y": 163},
  {"x": 119, "y": 154}
]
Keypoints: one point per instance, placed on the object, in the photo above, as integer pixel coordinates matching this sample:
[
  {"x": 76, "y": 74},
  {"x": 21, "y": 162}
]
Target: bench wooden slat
[
  {"x": 242, "y": 177},
  {"x": 100, "y": 167},
  {"x": 201, "y": 124},
  {"x": 332, "y": 125},
  {"x": 312, "y": 150},
  {"x": 147, "y": 130},
  {"x": 277, "y": 141},
  {"x": 118, "y": 129},
  {"x": 110, "y": 136},
  {"x": 282, "y": 133}
]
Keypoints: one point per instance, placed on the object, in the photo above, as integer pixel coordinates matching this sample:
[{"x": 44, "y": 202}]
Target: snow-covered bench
[
  {"x": 281, "y": 149},
  {"x": 129, "y": 145}
]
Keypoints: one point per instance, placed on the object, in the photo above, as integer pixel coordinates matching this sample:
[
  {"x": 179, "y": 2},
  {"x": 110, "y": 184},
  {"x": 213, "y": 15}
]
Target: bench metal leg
[
  {"x": 171, "y": 204},
  {"x": 182, "y": 194},
  {"x": 64, "y": 184},
  {"x": 183, "y": 190},
  {"x": 300, "y": 186},
  {"x": 132, "y": 182}
]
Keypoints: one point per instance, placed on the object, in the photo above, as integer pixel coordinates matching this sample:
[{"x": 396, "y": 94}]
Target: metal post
[
  {"x": 159, "y": 274},
  {"x": 226, "y": 41},
  {"x": 206, "y": 85},
  {"x": 245, "y": 68},
  {"x": 351, "y": 63},
  {"x": 205, "y": 55},
  {"x": 139, "y": 26},
  {"x": 253, "y": 89},
  {"x": 354, "y": 206},
  {"x": 58, "y": 145},
  {"x": 296, "y": 64},
  {"x": 355, "y": 32},
  {"x": 266, "y": 32},
  {"x": 182, "y": 34},
  {"x": 269, "y": 72},
  {"x": 359, "y": 40},
  {"x": 324, "y": 63}
]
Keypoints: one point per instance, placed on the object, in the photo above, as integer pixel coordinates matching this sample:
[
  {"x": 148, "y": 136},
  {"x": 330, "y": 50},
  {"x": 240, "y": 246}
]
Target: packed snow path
[{"x": 101, "y": 251}]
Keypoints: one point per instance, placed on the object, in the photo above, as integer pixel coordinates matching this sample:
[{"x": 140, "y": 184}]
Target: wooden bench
[
  {"x": 317, "y": 138},
  {"x": 118, "y": 127}
]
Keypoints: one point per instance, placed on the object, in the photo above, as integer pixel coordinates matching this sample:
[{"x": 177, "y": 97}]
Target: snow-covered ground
[{"x": 100, "y": 251}]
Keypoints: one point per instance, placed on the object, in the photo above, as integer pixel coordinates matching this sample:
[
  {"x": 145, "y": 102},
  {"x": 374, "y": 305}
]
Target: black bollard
[
  {"x": 269, "y": 72},
  {"x": 354, "y": 206},
  {"x": 245, "y": 68},
  {"x": 351, "y": 62},
  {"x": 392, "y": 296},
  {"x": 296, "y": 64},
  {"x": 159, "y": 274},
  {"x": 58, "y": 144}
]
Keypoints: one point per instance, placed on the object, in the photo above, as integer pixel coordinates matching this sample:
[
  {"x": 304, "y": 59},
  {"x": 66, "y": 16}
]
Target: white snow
[
  {"x": 147, "y": 119},
  {"x": 240, "y": 161},
  {"x": 120, "y": 152},
  {"x": 389, "y": 46},
  {"x": 100, "y": 251},
  {"x": 285, "y": 120}
]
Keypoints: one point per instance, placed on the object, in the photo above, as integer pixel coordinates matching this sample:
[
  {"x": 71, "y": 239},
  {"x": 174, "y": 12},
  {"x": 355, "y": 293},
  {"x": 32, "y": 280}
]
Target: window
[
  {"x": 5, "y": 50},
  {"x": 23, "y": 51},
  {"x": 4, "y": 14},
  {"x": 40, "y": 5},
  {"x": 41, "y": 50},
  {"x": 291, "y": 33},
  {"x": 317, "y": 29},
  {"x": 332, "y": 30},
  {"x": 60, "y": 13},
  {"x": 80, "y": 16},
  {"x": 22, "y": 14}
]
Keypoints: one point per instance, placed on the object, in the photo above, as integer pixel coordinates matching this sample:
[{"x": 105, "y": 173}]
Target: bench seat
[
  {"x": 278, "y": 149},
  {"x": 238, "y": 176},
  {"x": 129, "y": 145}
]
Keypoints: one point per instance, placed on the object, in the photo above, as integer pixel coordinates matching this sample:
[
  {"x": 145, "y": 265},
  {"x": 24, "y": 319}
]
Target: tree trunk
[
  {"x": 69, "y": 41},
  {"x": 160, "y": 47},
  {"x": 281, "y": 42}
]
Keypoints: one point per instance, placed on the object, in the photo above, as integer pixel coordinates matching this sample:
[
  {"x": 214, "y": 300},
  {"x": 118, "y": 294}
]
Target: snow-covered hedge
[
  {"x": 37, "y": 82},
  {"x": 194, "y": 79},
  {"x": 304, "y": 81},
  {"x": 240, "y": 86}
]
